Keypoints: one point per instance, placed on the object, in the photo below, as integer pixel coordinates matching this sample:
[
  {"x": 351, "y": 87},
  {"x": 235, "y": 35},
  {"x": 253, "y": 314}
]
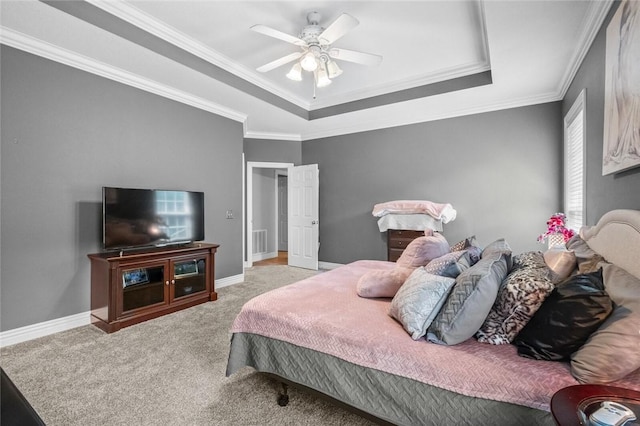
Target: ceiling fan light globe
[
  {"x": 309, "y": 62},
  {"x": 295, "y": 73},
  {"x": 322, "y": 79},
  {"x": 333, "y": 69}
]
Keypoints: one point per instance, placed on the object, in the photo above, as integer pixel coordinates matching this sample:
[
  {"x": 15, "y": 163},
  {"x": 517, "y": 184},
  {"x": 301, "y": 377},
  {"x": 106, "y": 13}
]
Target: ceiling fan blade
[
  {"x": 353, "y": 56},
  {"x": 263, "y": 29},
  {"x": 342, "y": 25},
  {"x": 279, "y": 62}
]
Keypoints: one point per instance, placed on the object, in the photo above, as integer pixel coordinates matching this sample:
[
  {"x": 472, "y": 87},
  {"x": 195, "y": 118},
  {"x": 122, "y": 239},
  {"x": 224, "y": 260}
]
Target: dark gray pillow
[{"x": 470, "y": 300}]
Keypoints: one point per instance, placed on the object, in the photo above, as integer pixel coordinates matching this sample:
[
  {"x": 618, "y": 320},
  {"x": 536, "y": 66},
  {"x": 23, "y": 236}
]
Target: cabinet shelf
[{"x": 128, "y": 288}]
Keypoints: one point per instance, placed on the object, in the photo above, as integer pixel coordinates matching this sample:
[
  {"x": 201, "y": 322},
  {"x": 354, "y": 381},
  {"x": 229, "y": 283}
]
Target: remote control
[{"x": 611, "y": 414}]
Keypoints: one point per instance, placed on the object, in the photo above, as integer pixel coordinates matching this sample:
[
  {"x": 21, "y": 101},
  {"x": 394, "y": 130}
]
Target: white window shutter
[{"x": 574, "y": 136}]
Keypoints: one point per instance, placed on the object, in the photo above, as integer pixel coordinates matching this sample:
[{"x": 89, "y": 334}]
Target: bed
[{"x": 320, "y": 334}]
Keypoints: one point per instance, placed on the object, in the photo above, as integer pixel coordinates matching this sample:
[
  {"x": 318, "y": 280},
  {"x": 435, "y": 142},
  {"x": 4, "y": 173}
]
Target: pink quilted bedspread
[{"x": 325, "y": 314}]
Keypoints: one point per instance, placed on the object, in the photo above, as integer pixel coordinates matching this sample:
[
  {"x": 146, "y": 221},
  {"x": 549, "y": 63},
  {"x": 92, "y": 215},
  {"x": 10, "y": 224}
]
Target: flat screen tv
[{"x": 134, "y": 218}]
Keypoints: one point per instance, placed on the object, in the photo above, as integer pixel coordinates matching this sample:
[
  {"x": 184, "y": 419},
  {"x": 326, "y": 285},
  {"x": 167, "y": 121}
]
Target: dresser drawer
[
  {"x": 394, "y": 254},
  {"x": 398, "y": 240}
]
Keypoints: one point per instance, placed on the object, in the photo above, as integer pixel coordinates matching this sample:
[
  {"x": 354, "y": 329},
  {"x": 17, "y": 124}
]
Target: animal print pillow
[{"x": 520, "y": 295}]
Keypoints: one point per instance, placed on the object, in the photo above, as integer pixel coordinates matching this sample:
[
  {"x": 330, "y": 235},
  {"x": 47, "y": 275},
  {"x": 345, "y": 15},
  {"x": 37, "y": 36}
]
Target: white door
[
  {"x": 283, "y": 214},
  {"x": 303, "y": 216}
]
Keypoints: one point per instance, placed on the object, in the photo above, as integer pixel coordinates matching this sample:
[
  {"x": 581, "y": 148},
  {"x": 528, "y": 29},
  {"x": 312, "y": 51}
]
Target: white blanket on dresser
[{"x": 414, "y": 222}]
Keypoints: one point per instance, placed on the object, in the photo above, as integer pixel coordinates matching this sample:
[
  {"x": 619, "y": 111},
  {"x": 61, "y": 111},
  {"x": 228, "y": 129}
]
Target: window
[
  {"x": 173, "y": 208},
  {"x": 574, "y": 124}
]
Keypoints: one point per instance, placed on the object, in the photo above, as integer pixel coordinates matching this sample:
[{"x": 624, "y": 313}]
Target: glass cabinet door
[
  {"x": 142, "y": 287},
  {"x": 189, "y": 277}
]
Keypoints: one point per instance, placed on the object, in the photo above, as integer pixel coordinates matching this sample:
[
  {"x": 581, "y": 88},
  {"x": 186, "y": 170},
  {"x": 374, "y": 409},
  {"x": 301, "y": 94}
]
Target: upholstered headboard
[{"x": 616, "y": 237}]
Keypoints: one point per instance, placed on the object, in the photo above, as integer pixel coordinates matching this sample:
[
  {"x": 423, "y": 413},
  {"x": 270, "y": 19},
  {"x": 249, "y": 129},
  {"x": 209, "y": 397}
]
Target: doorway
[{"x": 266, "y": 200}]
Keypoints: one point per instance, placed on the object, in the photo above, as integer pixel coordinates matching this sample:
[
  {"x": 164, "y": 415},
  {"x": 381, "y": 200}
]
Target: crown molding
[
  {"x": 595, "y": 18},
  {"x": 161, "y": 30},
  {"x": 49, "y": 51},
  {"x": 273, "y": 136},
  {"x": 378, "y": 124}
]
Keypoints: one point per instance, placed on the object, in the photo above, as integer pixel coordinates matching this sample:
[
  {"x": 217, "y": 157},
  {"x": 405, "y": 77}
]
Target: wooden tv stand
[{"x": 131, "y": 287}]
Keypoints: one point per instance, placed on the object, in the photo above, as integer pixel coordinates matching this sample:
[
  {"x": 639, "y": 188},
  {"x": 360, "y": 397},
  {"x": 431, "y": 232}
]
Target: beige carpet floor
[{"x": 167, "y": 371}]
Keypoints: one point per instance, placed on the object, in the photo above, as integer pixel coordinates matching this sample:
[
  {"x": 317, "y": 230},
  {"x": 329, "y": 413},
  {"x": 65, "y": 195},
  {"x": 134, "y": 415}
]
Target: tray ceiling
[{"x": 440, "y": 58}]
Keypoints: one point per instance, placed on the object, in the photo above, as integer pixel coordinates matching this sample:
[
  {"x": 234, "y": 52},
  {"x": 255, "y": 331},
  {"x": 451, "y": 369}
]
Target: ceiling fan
[{"x": 316, "y": 53}]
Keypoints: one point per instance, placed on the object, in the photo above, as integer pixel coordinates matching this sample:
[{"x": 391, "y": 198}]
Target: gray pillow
[
  {"x": 467, "y": 260},
  {"x": 498, "y": 246},
  {"x": 470, "y": 300},
  {"x": 611, "y": 352},
  {"x": 419, "y": 300}
]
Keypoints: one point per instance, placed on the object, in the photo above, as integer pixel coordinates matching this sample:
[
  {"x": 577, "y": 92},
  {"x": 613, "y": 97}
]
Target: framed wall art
[{"x": 621, "y": 142}]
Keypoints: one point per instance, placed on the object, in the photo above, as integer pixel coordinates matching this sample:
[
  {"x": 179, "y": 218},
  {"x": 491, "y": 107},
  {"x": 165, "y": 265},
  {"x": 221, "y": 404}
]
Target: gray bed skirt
[{"x": 388, "y": 397}]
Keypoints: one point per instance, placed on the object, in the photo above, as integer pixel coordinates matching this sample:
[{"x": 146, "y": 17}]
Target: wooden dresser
[{"x": 398, "y": 240}]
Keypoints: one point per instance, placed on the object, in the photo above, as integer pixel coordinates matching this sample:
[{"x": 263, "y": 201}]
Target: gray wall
[
  {"x": 65, "y": 134},
  {"x": 272, "y": 151},
  {"x": 499, "y": 170},
  {"x": 603, "y": 193}
]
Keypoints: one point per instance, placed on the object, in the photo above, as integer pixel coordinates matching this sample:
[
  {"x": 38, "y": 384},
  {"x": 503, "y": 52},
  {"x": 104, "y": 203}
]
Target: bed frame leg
[{"x": 283, "y": 398}]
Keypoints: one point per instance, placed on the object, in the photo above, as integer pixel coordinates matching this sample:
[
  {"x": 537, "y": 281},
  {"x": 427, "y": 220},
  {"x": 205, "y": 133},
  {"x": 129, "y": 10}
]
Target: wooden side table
[{"x": 571, "y": 405}]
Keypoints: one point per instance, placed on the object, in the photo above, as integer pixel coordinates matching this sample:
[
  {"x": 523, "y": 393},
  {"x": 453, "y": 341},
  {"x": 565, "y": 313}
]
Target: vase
[{"x": 555, "y": 241}]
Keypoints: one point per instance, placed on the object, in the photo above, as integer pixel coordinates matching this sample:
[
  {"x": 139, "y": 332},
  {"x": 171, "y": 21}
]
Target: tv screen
[{"x": 149, "y": 217}]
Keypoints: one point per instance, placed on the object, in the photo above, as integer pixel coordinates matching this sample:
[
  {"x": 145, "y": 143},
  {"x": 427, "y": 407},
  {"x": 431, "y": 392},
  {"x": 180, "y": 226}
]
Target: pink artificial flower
[{"x": 555, "y": 225}]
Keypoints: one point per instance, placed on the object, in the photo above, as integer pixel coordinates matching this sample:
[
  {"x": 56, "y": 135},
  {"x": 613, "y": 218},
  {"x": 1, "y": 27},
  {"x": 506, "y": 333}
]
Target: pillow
[
  {"x": 438, "y": 265},
  {"x": 564, "y": 322},
  {"x": 470, "y": 258},
  {"x": 470, "y": 300},
  {"x": 419, "y": 300},
  {"x": 467, "y": 242},
  {"x": 591, "y": 265},
  {"x": 422, "y": 250},
  {"x": 499, "y": 246},
  {"x": 382, "y": 283},
  {"x": 612, "y": 352},
  {"x": 520, "y": 295},
  {"x": 561, "y": 264},
  {"x": 586, "y": 258}
]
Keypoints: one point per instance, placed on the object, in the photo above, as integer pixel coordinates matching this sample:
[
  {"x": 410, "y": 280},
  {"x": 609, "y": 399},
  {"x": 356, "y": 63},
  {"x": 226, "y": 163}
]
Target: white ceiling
[{"x": 532, "y": 49}]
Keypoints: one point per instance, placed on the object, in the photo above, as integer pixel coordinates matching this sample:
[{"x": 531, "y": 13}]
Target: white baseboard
[
  {"x": 234, "y": 279},
  {"x": 263, "y": 256},
  {"x": 30, "y": 332},
  {"x": 34, "y": 331}
]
